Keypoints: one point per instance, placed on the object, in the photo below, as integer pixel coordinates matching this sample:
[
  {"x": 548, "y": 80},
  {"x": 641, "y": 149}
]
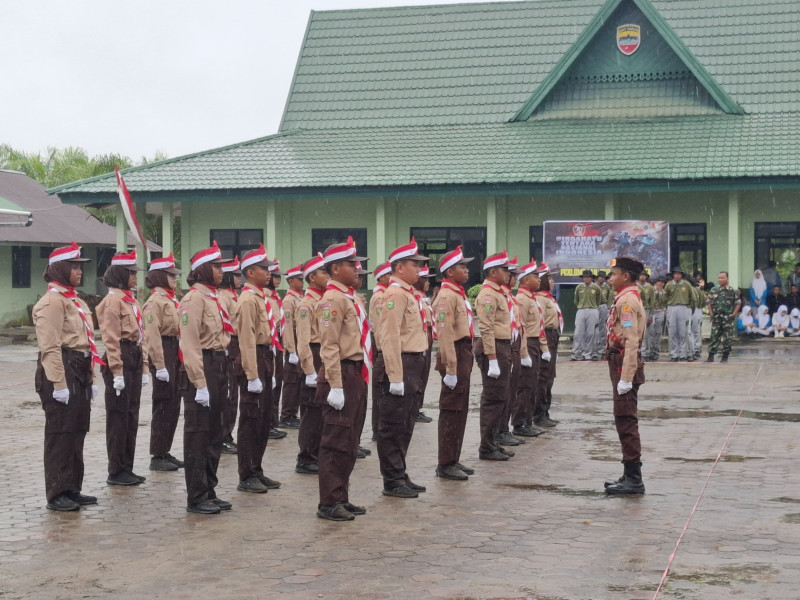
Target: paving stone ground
[{"x": 538, "y": 526}]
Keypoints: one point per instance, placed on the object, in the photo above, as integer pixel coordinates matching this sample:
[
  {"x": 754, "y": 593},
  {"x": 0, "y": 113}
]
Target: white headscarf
[
  {"x": 781, "y": 317},
  {"x": 759, "y": 284},
  {"x": 763, "y": 317},
  {"x": 794, "y": 318},
  {"x": 747, "y": 316}
]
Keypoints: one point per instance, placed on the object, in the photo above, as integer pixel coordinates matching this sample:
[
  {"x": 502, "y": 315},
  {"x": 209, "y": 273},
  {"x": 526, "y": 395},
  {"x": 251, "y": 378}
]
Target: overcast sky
[{"x": 139, "y": 76}]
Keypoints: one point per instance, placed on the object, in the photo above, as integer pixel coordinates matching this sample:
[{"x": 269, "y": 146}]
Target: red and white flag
[{"x": 130, "y": 212}]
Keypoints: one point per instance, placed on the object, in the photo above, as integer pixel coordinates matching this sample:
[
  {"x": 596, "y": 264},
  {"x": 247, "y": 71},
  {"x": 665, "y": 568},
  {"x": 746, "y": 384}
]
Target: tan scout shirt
[
  {"x": 252, "y": 324},
  {"x": 308, "y": 328},
  {"x": 400, "y": 327},
  {"x": 58, "y": 325},
  {"x": 375, "y": 313},
  {"x": 160, "y": 319},
  {"x": 494, "y": 320},
  {"x": 229, "y": 299},
  {"x": 340, "y": 336},
  {"x": 528, "y": 310},
  {"x": 549, "y": 309},
  {"x": 201, "y": 329},
  {"x": 117, "y": 322},
  {"x": 452, "y": 325},
  {"x": 290, "y": 302},
  {"x": 628, "y": 330}
]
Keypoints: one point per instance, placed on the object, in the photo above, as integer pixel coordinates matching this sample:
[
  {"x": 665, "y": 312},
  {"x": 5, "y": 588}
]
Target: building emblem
[{"x": 629, "y": 37}]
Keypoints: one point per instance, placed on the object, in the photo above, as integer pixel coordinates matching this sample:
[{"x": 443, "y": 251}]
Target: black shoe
[
  {"x": 268, "y": 483},
  {"x": 545, "y": 422},
  {"x": 222, "y": 504},
  {"x": 451, "y": 472},
  {"x": 289, "y": 423},
  {"x": 356, "y": 510},
  {"x": 630, "y": 482},
  {"x": 81, "y": 499},
  {"x": 366, "y": 451},
  {"x": 574, "y": 359},
  {"x": 173, "y": 460},
  {"x": 139, "y": 477},
  {"x": 276, "y": 434},
  {"x": 674, "y": 360},
  {"x": 595, "y": 358},
  {"x": 310, "y": 469},
  {"x": 710, "y": 357},
  {"x": 526, "y": 431},
  {"x": 690, "y": 359},
  {"x": 400, "y": 491},
  {"x": 360, "y": 453},
  {"x": 337, "y": 512},
  {"x": 206, "y": 507},
  {"x": 506, "y": 439},
  {"x": 494, "y": 455},
  {"x": 123, "y": 478},
  {"x": 162, "y": 463},
  {"x": 467, "y": 470},
  {"x": 229, "y": 448},
  {"x": 417, "y": 488},
  {"x": 724, "y": 358},
  {"x": 252, "y": 485},
  {"x": 508, "y": 453},
  {"x": 63, "y": 503},
  {"x": 423, "y": 418}
]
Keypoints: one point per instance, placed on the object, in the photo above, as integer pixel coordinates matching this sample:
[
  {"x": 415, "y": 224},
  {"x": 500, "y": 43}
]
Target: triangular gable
[{"x": 675, "y": 59}]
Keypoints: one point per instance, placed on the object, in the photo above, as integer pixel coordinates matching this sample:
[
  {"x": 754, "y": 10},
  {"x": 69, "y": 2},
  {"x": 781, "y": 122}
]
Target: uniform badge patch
[
  {"x": 488, "y": 308},
  {"x": 184, "y": 319},
  {"x": 149, "y": 318},
  {"x": 626, "y": 309},
  {"x": 390, "y": 305},
  {"x": 627, "y": 317},
  {"x": 326, "y": 314},
  {"x": 442, "y": 317},
  {"x": 303, "y": 314}
]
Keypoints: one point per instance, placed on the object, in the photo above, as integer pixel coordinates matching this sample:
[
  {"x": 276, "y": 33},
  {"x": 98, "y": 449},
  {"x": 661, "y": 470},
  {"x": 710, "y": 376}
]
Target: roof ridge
[{"x": 427, "y": 6}]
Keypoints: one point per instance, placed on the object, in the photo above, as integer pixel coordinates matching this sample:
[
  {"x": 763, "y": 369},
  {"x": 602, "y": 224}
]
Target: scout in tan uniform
[
  {"x": 161, "y": 328},
  {"x": 205, "y": 334},
  {"x": 67, "y": 353},
  {"x": 346, "y": 354},
  {"x": 403, "y": 343},
  {"x": 504, "y": 437},
  {"x": 493, "y": 353},
  {"x": 256, "y": 363},
  {"x": 625, "y": 331},
  {"x": 382, "y": 275},
  {"x": 534, "y": 345},
  {"x": 553, "y": 326},
  {"x": 359, "y": 299},
  {"x": 455, "y": 326},
  {"x": 276, "y": 305},
  {"x": 310, "y": 362},
  {"x": 292, "y": 373},
  {"x": 421, "y": 288},
  {"x": 228, "y": 292},
  {"x": 120, "y": 320}
]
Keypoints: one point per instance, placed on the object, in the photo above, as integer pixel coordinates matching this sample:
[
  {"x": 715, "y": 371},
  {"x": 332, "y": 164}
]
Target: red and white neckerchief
[
  {"x": 127, "y": 296},
  {"x": 70, "y": 294},
  {"x": 558, "y": 309},
  {"x": 530, "y": 295},
  {"x": 418, "y": 300},
  {"x": 379, "y": 287},
  {"x": 235, "y": 295},
  {"x": 223, "y": 314},
  {"x": 631, "y": 289},
  {"x": 363, "y": 328},
  {"x": 511, "y": 316},
  {"x": 273, "y": 329},
  {"x": 296, "y": 294},
  {"x": 448, "y": 285},
  {"x": 171, "y": 295},
  {"x": 427, "y": 311},
  {"x": 279, "y": 302}
]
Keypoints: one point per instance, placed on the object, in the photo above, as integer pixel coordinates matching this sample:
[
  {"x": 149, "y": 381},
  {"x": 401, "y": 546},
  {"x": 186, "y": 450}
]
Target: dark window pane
[
  {"x": 20, "y": 266},
  {"x": 235, "y": 242},
  {"x": 322, "y": 238},
  {"x": 436, "y": 241},
  {"x": 687, "y": 246}
]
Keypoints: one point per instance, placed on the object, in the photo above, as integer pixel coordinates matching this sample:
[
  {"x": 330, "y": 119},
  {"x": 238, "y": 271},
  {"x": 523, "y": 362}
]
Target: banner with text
[{"x": 572, "y": 246}]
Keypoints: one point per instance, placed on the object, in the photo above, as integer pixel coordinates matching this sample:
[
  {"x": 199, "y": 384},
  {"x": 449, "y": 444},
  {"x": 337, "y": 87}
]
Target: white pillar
[
  {"x": 733, "y": 238},
  {"x": 609, "y": 207},
  {"x": 271, "y": 229},
  {"x": 491, "y": 225},
  {"x": 186, "y": 252},
  {"x": 381, "y": 250},
  {"x": 166, "y": 228},
  {"x": 122, "y": 230}
]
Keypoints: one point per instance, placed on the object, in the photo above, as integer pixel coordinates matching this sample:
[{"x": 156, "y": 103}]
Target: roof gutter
[{"x": 6, "y": 212}]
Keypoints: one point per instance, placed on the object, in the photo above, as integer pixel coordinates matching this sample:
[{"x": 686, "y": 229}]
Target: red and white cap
[
  {"x": 408, "y": 252},
  {"x": 513, "y": 265},
  {"x": 425, "y": 272},
  {"x": 231, "y": 266},
  {"x": 384, "y": 269},
  {"x": 345, "y": 251},
  {"x": 452, "y": 258},
  {"x": 275, "y": 268},
  {"x": 360, "y": 269},
  {"x": 120, "y": 259},
  {"x": 212, "y": 255},
  {"x": 313, "y": 264},
  {"x": 71, "y": 253},
  {"x": 256, "y": 257},
  {"x": 531, "y": 267},
  {"x": 295, "y": 271},
  {"x": 165, "y": 263},
  {"x": 496, "y": 260},
  {"x": 543, "y": 269}
]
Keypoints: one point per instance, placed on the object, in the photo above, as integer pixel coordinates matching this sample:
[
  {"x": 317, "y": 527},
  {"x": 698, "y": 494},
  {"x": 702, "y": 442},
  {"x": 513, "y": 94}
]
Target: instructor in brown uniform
[
  {"x": 624, "y": 334},
  {"x": 63, "y": 380}
]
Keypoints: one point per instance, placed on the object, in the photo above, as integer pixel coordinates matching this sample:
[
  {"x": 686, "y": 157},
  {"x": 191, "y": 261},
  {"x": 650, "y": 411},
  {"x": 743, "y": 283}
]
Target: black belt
[
  {"x": 412, "y": 353},
  {"x": 503, "y": 342},
  {"x": 129, "y": 343},
  {"x": 80, "y": 353},
  {"x": 551, "y": 328},
  {"x": 313, "y": 345},
  {"x": 169, "y": 337},
  {"x": 210, "y": 352},
  {"x": 355, "y": 363},
  {"x": 263, "y": 346}
]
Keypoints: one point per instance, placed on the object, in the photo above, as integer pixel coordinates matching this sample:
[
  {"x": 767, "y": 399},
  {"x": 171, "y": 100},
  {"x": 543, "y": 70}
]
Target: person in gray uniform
[
  {"x": 679, "y": 312},
  {"x": 587, "y": 299}
]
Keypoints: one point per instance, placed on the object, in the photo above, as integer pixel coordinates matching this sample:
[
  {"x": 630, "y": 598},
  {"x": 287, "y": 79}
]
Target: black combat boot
[
  {"x": 631, "y": 482},
  {"x": 710, "y": 357},
  {"x": 724, "y": 357},
  {"x": 615, "y": 481}
]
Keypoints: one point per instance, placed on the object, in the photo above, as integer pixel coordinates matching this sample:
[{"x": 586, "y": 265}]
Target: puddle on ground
[
  {"x": 726, "y": 575},
  {"x": 786, "y": 499},
  {"x": 678, "y": 413},
  {"x": 556, "y": 489},
  {"x": 791, "y": 518},
  {"x": 733, "y": 458}
]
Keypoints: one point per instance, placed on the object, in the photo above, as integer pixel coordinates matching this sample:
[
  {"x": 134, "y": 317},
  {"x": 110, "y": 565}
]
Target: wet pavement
[{"x": 538, "y": 526}]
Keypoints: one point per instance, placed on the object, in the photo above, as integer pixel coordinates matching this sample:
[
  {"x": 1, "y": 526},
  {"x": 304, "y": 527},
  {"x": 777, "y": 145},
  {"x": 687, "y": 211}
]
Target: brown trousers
[
  {"x": 340, "y": 434},
  {"x": 290, "y": 401},
  {"x": 65, "y": 425},
  {"x": 276, "y": 393},
  {"x": 513, "y": 382},
  {"x": 495, "y": 393},
  {"x": 625, "y": 408},
  {"x": 122, "y": 412},
  {"x": 378, "y": 374},
  {"x": 202, "y": 428},
  {"x": 547, "y": 375},
  {"x": 426, "y": 370},
  {"x": 454, "y": 405},
  {"x": 166, "y": 400},
  {"x": 525, "y": 400},
  {"x": 254, "y": 417},
  {"x": 397, "y": 419},
  {"x": 231, "y": 405},
  {"x": 310, "y": 417}
]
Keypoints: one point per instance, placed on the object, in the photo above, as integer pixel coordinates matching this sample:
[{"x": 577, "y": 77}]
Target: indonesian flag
[{"x": 130, "y": 213}]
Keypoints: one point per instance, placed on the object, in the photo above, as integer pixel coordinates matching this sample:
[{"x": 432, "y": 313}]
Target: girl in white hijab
[
  {"x": 781, "y": 321},
  {"x": 747, "y": 321},
  {"x": 763, "y": 326},
  {"x": 794, "y": 323},
  {"x": 758, "y": 289}
]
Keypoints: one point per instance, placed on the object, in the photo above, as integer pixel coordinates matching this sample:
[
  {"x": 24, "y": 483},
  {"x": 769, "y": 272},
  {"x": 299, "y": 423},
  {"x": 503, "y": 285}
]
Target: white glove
[
  {"x": 61, "y": 396},
  {"x": 336, "y": 398},
  {"x": 94, "y": 392},
  {"x": 201, "y": 396},
  {"x": 145, "y": 379},
  {"x": 254, "y": 386},
  {"x": 546, "y": 356},
  {"x": 494, "y": 369},
  {"x": 450, "y": 381},
  {"x": 162, "y": 375},
  {"x": 119, "y": 383},
  {"x": 526, "y": 361},
  {"x": 311, "y": 380},
  {"x": 397, "y": 389},
  {"x": 274, "y": 383},
  {"x": 623, "y": 387},
  {"x": 294, "y": 359}
]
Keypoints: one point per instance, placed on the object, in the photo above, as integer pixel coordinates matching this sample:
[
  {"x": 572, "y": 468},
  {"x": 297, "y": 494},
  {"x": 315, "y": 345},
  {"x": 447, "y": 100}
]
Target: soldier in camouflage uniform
[{"x": 723, "y": 304}]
